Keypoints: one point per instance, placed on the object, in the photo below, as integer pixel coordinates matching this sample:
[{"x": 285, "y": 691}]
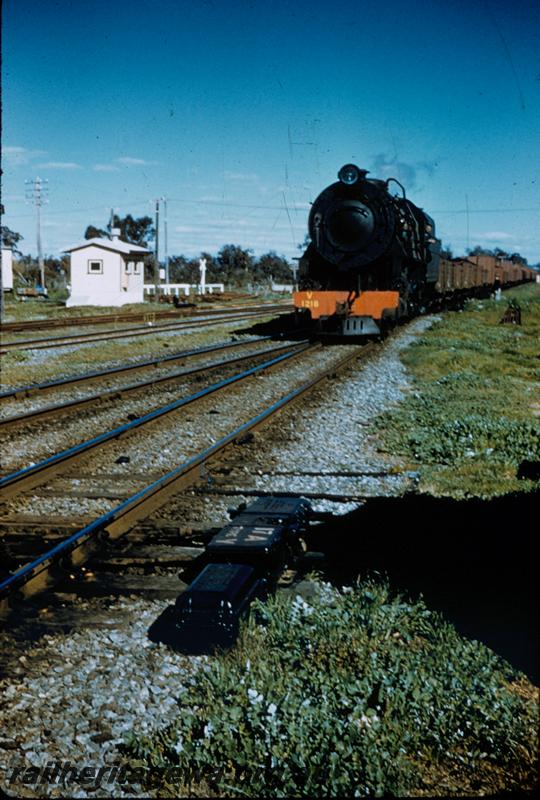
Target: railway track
[
  {"x": 28, "y": 477},
  {"x": 77, "y": 339},
  {"x": 98, "y": 375},
  {"x": 149, "y": 315},
  {"x": 70, "y": 552},
  {"x": 39, "y": 413}
]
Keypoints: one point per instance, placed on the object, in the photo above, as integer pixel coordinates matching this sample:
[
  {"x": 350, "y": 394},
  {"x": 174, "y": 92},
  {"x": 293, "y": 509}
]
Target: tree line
[
  {"x": 446, "y": 252},
  {"x": 233, "y": 265}
]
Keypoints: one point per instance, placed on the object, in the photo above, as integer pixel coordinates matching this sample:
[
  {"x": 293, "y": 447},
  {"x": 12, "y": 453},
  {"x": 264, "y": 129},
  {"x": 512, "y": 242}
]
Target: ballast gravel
[
  {"x": 329, "y": 450},
  {"x": 37, "y": 440},
  {"x": 78, "y": 695},
  {"x": 321, "y": 448},
  {"x": 114, "y": 382},
  {"x": 178, "y": 436}
]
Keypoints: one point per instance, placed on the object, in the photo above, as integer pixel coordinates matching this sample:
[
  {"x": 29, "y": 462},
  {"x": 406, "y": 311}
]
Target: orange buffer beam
[{"x": 367, "y": 304}]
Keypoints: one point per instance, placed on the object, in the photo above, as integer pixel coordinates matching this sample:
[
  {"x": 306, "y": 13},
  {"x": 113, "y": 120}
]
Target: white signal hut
[
  {"x": 106, "y": 272},
  {"x": 7, "y": 269}
]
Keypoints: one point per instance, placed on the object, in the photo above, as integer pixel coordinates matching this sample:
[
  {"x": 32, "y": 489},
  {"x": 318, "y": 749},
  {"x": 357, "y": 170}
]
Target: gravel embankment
[{"x": 79, "y": 694}]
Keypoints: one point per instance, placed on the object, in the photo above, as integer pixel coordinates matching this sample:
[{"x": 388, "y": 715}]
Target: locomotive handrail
[{"x": 395, "y": 180}]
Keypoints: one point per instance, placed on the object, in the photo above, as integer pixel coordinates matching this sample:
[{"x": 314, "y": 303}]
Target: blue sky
[{"x": 241, "y": 111}]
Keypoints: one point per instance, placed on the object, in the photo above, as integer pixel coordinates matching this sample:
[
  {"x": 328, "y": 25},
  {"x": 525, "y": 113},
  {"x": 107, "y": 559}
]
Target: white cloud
[
  {"x": 105, "y": 168},
  {"x": 20, "y": 156},
  {"x": 499, "y": 235},
  {"x": 210, "y": 198},
  {"x": 48, "y": 223},
  {"x": 14, "y": 198},
  {"x": 294, "y": 206},
  {"x": 59, "y": 165},
  {"x": 186, "y": 229},
  {"x": 240, "y": 176},
  {"x": 253, "y": 227},
  {"x": 129, "y": 161}
]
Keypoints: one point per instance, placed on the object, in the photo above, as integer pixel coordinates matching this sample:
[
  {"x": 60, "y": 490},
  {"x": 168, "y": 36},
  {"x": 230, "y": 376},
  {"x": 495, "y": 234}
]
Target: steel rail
[
  {"x": 75, "y": 338},
  {"x": 31, "y": 389},
  {"x": 186, "y": 310},
  {"x": 183, "y": 320},
  {"x": 28, "y": 477},
  {"x": 85, "y": 338},
  {"x": 48, "y": 411},
  {"x": 88, "y": 319},
  {"x": 41, "y": 573}
]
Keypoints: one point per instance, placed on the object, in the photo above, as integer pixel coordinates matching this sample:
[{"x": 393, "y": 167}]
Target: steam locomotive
[{"x": 374, "y": 258}]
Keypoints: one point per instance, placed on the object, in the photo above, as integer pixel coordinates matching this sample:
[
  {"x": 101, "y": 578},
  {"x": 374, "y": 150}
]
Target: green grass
[
  {"x": 357, "y": 693},
  {"x": 473, "y": 414},
  {"x": 16, "y": 310},
  {"x": 54, "y": 308}
]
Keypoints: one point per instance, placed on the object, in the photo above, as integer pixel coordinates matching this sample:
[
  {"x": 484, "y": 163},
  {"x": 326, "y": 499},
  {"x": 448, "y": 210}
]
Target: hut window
[{"x": 95, "y": 267}]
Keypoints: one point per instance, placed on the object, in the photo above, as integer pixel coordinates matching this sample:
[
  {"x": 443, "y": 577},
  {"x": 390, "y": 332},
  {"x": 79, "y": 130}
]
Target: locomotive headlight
[{"x": 349, "y": 174}]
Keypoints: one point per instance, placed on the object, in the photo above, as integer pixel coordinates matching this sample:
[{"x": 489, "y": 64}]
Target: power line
[
  {"x": 290, "y": 220},
  {"x": 103, "y": 207},
  {"x": 483, "y": 211},
  {"x": 467, "y": 212},
  {"x": 124, "y": 203}
]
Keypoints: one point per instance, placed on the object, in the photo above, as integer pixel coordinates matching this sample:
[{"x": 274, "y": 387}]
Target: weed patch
[
  {"x": 470, "y": 420},
  {"x": 356, "y": 693}
]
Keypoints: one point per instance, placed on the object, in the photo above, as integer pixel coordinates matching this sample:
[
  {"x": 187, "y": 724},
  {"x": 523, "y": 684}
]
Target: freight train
[
  {"x": 374, "y": 258},
  {"x": 241, "y": 563}
]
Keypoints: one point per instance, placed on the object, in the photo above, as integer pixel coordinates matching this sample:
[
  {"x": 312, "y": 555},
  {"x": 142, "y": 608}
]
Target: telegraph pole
[
  {"x": 156, "y": 254},
  {"x": 165, "y": 239},
  {"x": 36, "y": 193}
]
